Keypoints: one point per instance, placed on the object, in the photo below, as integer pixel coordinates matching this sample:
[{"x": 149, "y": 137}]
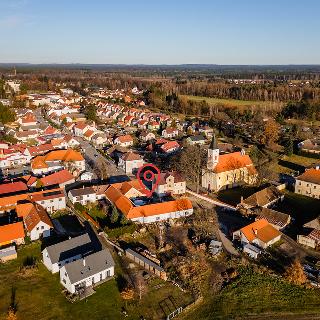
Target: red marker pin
[{"x": 150, "y": 173}]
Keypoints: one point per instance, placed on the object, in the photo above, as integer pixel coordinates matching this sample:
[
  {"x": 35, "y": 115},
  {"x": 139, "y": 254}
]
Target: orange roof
[
  {"x": 160, "y": 208},
  {"x": 23, "y": 209},
  {"x": 11, "y": 202},
  {"x": 57, "y": 178},
  {"x": 36, "y": 215},
  {"x": 233, "y": 161},
  {"x": 11, "y": 232},
  {"x": 170, "y": 145},
  {"x": 57, "y": 141},
  {"x": 56, "y": 155},
  {"x": 115, "y": 194},
  {"x": 310, "y": 175},
  {"x": 260, "y": 229},
  {"x": 88, "y": 133},
  {"x": 80, "y": 125},
  {"x": 126, "y": 138}
]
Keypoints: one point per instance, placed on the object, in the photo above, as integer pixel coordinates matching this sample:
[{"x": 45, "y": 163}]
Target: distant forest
[{"x": 165, "y": 84}]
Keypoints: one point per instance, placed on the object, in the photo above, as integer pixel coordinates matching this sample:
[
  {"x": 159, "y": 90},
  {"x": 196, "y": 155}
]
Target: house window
[{"x": 64, "y": 280}]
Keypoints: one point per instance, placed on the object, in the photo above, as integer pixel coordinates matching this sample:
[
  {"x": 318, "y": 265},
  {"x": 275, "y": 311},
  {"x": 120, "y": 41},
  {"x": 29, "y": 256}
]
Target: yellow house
[{"x": 228, "y": 170}]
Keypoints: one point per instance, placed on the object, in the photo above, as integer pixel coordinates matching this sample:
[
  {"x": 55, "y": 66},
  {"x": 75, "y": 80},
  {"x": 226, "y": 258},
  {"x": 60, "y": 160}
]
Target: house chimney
[
  {"x": 255, "y": 231},
  {"x": 243, "y": 152},
  {"x": 84, "y": 262},
  {"x": 241, "y": 199}
]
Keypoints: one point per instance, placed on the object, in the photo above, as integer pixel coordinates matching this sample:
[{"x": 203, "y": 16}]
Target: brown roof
[
  {"x": 164, "y": 175},
  {"x": 310, "y": 175},
  {"x": 274, "y": 217},
  {"x": 36, "y": 215},
  {"x": 263, "y": 197},
  {"x": 131, "y": 156}
]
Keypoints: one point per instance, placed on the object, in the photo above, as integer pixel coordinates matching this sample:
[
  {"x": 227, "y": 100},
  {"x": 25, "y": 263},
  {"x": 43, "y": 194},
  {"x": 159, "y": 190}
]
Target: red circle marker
[{"x": 154, "y": 177}]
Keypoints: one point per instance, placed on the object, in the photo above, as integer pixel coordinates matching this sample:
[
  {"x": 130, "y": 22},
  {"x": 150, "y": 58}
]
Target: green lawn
[
  {"x": 254, "y": 295},
  {"x": 39, "y": 296}
]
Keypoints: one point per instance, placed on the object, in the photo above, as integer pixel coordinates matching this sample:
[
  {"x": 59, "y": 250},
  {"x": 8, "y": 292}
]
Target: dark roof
[
  {"x": 263, "y": 197},
  {"x": 82, "y": 191},
  {"x": 197, "y": 138},
  {"x": 70, "y": 248},
  {"x": 274, "y": 217},
  {"x": 90, "y": 265}
]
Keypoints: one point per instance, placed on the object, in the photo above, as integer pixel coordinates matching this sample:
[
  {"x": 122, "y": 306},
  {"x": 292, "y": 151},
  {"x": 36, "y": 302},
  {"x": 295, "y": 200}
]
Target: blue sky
[{"x": 160, "y": 31}]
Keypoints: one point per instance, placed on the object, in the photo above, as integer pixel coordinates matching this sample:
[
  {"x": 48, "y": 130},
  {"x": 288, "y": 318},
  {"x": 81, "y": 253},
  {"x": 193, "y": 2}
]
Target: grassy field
[
  {"x": 258, "y": 296},
  {"x": 241, "y": 104},
  {"x": 39, "y": 295}
]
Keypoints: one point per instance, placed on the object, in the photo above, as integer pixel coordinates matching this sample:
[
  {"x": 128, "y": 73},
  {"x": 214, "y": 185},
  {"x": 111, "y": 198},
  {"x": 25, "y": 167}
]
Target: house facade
[
  {"x": 308, "y": 183},
  {"x": 227, "y": 170}
]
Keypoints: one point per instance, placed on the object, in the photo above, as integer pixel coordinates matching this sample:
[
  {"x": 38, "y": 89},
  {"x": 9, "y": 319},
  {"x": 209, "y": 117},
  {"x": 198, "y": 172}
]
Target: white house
[
  {"x": 130, "y": 162},
  {"x": 57, "y": 255},
  {"x": 170, "y": 182},
  {"x": 37, "y": 223},
  {"x": 83, "y": 195},
  {"x": 51, "y": 200},
  {"x": 170, "y": 133},
  {"x": 88, "y": 271},
  {"x": 260, "y": 233}
]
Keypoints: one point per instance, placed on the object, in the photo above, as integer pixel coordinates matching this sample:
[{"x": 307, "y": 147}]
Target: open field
[
  {"x": 39, "y": 295},
  {"x": 259, "y": 296},
  {"x": 241, "y": 104}
]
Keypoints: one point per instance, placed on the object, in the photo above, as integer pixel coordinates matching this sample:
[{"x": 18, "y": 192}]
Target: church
[{"x": 227, "y": 170}]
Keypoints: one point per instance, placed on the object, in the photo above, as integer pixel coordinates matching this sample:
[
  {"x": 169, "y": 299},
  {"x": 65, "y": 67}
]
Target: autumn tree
[
  {"x": 271, "y": 132},
  {"x": 190, "y": 163},
  {"x": 140, "y": 285},
  {"x": 295, "y": 273}
]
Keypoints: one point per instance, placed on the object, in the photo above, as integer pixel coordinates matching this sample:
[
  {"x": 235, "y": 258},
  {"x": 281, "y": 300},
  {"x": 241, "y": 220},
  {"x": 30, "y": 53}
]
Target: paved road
[
  {"x": 99, "y": 161},
  {"x": 216, "y": 202}
]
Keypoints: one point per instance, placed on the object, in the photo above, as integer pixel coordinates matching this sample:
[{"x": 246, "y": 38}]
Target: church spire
[{"x": 213, "y": 144}]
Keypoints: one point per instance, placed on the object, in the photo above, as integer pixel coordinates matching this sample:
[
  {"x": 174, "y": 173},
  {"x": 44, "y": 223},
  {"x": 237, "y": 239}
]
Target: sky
[{"x": 160, "y": 31}]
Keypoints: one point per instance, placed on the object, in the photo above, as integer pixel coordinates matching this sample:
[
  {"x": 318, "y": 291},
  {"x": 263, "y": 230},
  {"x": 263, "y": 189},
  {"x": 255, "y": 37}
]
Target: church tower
[{"x": 213, "y": 154}]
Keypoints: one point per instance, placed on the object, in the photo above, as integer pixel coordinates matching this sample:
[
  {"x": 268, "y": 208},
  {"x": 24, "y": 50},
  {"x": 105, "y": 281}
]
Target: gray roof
[
  {"x": 70, "y": 248},
  {"x": 145, "y": 260},
  {"x": 82, "y": 191},
  {"x": 6, "y": 252},
  {"x": 197, "y": 138},
  {"x": 90, "y": 265}
]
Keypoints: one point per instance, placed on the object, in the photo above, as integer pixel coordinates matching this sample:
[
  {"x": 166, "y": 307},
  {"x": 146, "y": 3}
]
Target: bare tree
[{"x": 140, "y": 284}]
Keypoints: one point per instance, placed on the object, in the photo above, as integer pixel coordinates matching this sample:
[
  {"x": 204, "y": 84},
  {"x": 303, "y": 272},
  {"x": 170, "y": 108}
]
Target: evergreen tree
[
  {"x": 114, "y": 215},
  {"x": 288, "y": 148}
]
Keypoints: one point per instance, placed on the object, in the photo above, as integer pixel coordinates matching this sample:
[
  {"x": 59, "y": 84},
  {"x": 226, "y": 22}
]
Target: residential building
[
  {"x": 170, "y": 183},
  {"x": 196, "y": 140},
  {"x": 56, "y": 256},
  {"x": 308, "y": 183},
  {"x": 127, "y": 198},
  {"x": 124, "y": 141},
  {"x": 260, "y": 233},
  {"x": 35, "y": 219},
  {"x": 88, "y": 271},
  {"x": 12, "y": 233},
  {"x": 170, "y": 133},
  {"x": 130, "y": 162},
  {"x": 83, "y": 195}
]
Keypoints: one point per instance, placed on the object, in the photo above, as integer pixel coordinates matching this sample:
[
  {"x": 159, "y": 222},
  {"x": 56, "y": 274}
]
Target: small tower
[{"x": 213, "y": 154}]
